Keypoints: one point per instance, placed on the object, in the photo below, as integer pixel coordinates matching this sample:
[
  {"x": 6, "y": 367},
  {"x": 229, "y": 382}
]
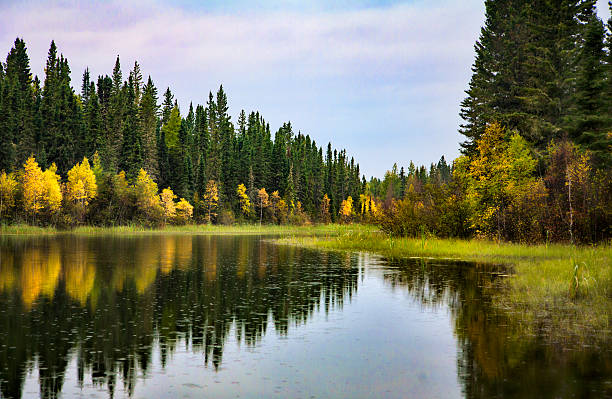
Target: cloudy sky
[{"x": 381, "y": 78}]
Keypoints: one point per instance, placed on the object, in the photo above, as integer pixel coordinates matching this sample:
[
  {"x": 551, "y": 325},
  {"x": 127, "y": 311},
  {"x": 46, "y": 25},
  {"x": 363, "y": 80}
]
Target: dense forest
[
  {"x": 535, "y": 164},
  {"x": 537, "y": 156},
  {"x": 221, "y": 171}
]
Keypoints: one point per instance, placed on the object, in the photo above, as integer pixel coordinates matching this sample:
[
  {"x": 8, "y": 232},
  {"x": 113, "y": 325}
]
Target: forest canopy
[{"x": 535, "y": 161}]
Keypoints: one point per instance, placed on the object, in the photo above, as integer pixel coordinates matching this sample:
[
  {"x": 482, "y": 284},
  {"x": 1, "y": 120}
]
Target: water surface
[{"x": 154, "y": 316}]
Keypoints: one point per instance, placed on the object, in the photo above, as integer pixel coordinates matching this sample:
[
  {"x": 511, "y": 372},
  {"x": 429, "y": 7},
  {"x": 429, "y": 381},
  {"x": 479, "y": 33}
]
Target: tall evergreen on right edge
[{"x": 541, "y": 69}]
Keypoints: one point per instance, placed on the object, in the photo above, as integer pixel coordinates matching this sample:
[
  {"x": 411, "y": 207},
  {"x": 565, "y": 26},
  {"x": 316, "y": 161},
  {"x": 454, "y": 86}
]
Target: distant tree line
[
  {"x": 202, "y": 157},
  {"x": 536, "y": 162}
]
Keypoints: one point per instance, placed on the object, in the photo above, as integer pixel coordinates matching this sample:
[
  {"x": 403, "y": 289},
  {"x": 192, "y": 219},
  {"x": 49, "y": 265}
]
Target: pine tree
[
  {"x": 115, "y": 117},
  {"x": 131, "y": 159},
  {"x": 167, "y": 106},
  {"x": 147, "y": 112},
  {"x": 522, "y": 69},
  {"x": 19, "y": 101},
  {"x": 94, "y": 128},
  {"x": 590, "y": 120}
]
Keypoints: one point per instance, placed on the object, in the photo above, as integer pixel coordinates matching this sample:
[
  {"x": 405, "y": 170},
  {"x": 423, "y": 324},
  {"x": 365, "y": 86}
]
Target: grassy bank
[
  {"x": 285, "y": 230},
  {"x": 560, "y": 291}
]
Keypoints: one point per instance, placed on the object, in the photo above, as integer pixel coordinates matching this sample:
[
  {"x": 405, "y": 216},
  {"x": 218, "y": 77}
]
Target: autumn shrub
[
  {"x": 298, "y": 217},
  {"x": 226, "y": 217},
  {"x": 184, "y": 212}
]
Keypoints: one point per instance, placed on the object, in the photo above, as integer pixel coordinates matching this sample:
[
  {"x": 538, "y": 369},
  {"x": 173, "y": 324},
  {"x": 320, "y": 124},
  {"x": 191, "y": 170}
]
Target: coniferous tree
[
  {"x": 590, "y": 119},
  {"x": 19, "y": 102},
  {"x": 147, "y": 111},
  {"x": 115, "y": 117},
  {"x": 167, "y": 106},
  {"x": 131, "y": 158},
  {"x": 117, "y": 121},
  {"x": 521, "y": 75}
]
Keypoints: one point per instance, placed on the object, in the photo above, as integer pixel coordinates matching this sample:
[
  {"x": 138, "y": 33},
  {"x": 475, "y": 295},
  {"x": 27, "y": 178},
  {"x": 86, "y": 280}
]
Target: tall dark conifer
[
  {"x": 131, "y": 158},
  {"x": 147, "y": 112}
]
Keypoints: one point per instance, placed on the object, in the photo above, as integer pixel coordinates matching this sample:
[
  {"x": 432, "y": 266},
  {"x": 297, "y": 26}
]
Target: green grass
[
  {"x": 561, "y": 291},
  {"x": 285, "y": 230}
]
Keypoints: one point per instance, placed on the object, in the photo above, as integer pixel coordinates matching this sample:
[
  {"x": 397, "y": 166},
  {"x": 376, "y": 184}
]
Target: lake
[{"x": 179, "y": 315}]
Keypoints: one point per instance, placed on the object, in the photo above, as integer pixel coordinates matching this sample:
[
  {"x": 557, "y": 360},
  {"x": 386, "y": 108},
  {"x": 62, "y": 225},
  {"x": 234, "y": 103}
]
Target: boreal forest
[{"x": 535, "y": 163}]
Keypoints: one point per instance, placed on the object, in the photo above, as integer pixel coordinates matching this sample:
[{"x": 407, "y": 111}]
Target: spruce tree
[
  {"x": 590, "y": 119},
  {"x": 19, "y": 106},
  {"x": 131, "y": 159},
  {"x": 147, "y": 112}
]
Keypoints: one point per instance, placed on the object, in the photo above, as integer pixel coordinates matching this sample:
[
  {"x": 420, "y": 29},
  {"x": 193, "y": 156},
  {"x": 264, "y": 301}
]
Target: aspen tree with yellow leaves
[
  {"x": 167, "y": 201},
  {"x": 274, "y": 206},
  {"x": 80, "y": 188},
  {"x": 147, "y": 200},
  {"x": 52, "y": 192},
  {"x": 211, "y": 199},
  {"x": 325, "y": 215},
  {"x": 346, "y": 210},
  {"x": 262, "y": 199},
  {"x": 33, "y": 187},
  {"x": 243, "y": 200},
  {"x": 184, "y": 211},
  {"x": 8, "y": 192}
]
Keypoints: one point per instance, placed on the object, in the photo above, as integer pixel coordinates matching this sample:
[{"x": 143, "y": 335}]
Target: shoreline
[{"x": 560, "y": 291}]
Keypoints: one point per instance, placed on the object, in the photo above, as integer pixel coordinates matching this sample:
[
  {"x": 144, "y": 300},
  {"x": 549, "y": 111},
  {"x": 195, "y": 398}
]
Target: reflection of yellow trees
[
  {"x": 167, "y": 251},
  {"x": 184, "y": 247},
  {"x": 7, "y": 271},
  {"x": 39, "y": 273},
  {"x": 175, "y": 251},
  {"x": 210, "y": 256},
  {"x": 79, "y": 273},
  {"x": 145, "y": 268}
]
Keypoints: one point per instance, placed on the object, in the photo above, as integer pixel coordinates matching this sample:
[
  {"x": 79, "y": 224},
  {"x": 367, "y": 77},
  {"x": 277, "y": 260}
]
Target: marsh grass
[
  {"x": 255, "y": 229},
  {"x": 560, "y": 291}
]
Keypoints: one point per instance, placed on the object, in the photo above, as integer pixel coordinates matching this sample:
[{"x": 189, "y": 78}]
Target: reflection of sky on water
[{"x": 174, "y": 315}]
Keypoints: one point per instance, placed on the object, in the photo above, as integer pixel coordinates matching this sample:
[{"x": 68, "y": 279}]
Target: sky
[{"x": 383, "y": 79}]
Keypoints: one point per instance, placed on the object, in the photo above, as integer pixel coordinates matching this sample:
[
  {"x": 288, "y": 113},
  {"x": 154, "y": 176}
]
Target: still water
[{"x": 162, "y": 316}]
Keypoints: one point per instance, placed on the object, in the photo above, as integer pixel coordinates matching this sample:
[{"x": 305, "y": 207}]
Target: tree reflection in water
[
  {"x": 110, "y": 304},
  {"x": 495, "y": 359},
  {"x": 112, "y": 301}
]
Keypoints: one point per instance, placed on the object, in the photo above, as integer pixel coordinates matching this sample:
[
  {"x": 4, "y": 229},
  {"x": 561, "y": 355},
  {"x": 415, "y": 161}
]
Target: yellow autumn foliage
[
  {"x": 167, "y": 201},
  {"x": 147, "y": 200},
  {"x": 33, "y": 187},
  {"x": 243, "y": 199},
  {"x": 184, "y": 211},
  {"x": 346, "y": 209},
  {"x": 211, "y": 199},
  {"x": 52, "y": 192},
  {"x": 81, "y": 186},
  {"x": 8, "y": 192}
]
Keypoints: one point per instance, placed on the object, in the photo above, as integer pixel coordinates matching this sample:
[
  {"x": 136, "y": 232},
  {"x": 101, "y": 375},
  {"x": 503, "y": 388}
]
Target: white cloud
[{"x": 332, "y": 73}]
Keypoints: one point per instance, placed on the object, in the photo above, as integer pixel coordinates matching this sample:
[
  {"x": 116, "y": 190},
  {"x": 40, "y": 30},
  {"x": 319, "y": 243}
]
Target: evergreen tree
[
  {"x": 167, "y": 106},
  {"x": 590, "y": 119},
  {"x": 147, "y": 111},
  {"x": 114, "y": 138},
  {"x": 19, "y": 102},
  {"x": 521, "y": 75},
  {"x": 131, "y": 159}
]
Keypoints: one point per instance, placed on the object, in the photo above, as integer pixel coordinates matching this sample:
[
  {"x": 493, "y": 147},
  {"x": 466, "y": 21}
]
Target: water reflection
[
  {"x": 112, "y": 301},
  {"x": 112, "y": 305},
  {"x": 495, "y": 359}
]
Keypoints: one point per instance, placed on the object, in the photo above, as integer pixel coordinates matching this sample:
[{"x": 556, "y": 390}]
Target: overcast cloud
[{"x": 382, "y": 79}]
